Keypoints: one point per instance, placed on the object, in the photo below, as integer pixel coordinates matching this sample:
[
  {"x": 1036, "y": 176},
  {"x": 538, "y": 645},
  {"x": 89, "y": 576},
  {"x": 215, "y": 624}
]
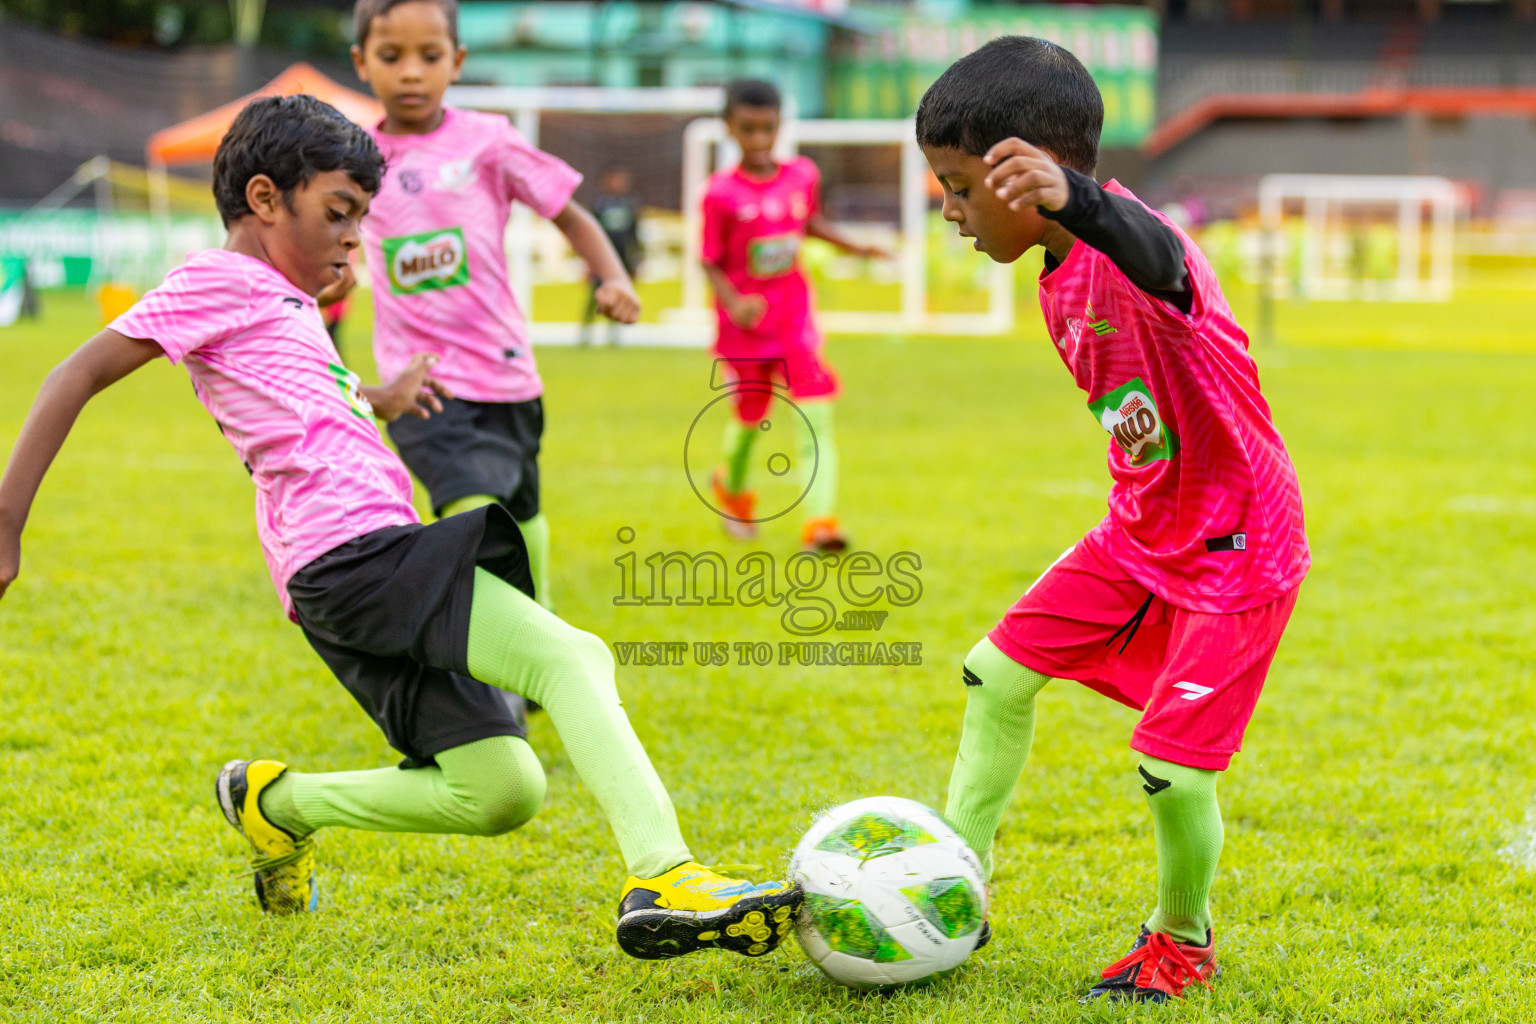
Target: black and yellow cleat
[
  {"x": 692, "y": 908},
  {"x": 282, "y": 864}
]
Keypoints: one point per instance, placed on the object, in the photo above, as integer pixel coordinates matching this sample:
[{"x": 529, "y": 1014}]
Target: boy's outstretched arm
[
  {"x": 819, "y": 227},
  {"x": 1145, "y": 249},
  {"x": 615, "y": 295},
  {"x": 99, "y": 363}
]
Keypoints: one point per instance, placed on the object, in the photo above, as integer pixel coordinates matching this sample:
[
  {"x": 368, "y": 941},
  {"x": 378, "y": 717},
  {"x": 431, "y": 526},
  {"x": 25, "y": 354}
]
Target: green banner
[{"x": 884, "y": 74}]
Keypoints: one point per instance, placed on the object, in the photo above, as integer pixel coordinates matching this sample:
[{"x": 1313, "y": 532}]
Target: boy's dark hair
[
  {"x": 365, "y": 11},
  {"x": 751, "y": 92},
  {"x": 1015, "y": 86},
  {"x": 290, "y": 139}
]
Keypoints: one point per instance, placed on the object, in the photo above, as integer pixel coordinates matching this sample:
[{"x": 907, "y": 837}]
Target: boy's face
[
  {"x": 755, "y": 130},
  {"x": 410, "y": 59},
  {"x": 1001, "y": 233},
  {"x": 309, "y": 237},
  {"x": 616, "y": 183}
]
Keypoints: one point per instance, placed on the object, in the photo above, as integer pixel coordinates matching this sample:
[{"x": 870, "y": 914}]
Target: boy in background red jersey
[{"x": 756, "y": 215}]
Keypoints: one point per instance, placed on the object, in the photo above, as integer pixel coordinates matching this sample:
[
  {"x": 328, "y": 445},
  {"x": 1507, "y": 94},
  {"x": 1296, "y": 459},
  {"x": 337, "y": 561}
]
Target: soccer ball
[{"x": 892, "y": 893}]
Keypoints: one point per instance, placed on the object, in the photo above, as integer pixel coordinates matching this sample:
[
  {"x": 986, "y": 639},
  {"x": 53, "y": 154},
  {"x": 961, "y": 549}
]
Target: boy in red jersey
[
  {"x": 1175, "y": 603},
  {"x": 756, "y": 215}
]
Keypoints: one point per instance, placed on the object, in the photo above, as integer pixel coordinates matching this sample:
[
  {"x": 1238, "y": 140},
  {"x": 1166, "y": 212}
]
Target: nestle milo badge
[
  {"x": 419, "y": 263},
  {"x": 1132, "y": 419}
]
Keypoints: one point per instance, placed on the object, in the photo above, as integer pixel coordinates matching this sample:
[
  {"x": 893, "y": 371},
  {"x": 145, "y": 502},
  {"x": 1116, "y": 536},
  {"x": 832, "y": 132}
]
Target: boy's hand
[
  {"x": 1023, "y": 175},
  {"x": 10, "y": 556},
  {"x": 413, "y": 393},
  {"x": 747, "y": 311},
  {"x": 617, "y": 300},
  {"x": 337, "y": 290},
  {"x": 872, "y": 252}
]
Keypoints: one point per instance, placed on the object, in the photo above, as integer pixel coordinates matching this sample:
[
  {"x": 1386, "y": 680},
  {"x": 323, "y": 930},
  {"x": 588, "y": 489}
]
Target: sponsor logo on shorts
[
  {"x": 1195, "y": 690},
  {"x": 1131, "y": 417},
  {"x": 419, "y": 263},
  {"x": 773, "y": 255}
]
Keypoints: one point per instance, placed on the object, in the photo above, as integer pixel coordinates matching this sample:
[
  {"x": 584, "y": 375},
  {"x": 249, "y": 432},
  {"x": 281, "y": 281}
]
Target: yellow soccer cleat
[
  {"x": 283, "y": 865},
  {"x": 692, "y": 908}
]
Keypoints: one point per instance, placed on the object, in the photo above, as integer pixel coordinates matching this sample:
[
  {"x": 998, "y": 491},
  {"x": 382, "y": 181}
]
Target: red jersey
[
  {"x": 753, "y": 229},
  {"x": 1205, "y": 510}
]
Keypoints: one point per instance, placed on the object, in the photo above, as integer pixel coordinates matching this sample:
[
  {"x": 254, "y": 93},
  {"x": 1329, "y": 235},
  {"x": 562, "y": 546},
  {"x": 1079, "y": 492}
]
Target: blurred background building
[{"x": 1203, "y": 97}]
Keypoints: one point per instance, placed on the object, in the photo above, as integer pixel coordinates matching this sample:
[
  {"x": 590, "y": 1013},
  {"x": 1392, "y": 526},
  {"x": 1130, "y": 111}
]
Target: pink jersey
[
  {"x": 262, "y": 364},
  {"x": 434, "y": 237},
  {"x": 1205, "y": 510},
  {"x": 753, "y": 229}
]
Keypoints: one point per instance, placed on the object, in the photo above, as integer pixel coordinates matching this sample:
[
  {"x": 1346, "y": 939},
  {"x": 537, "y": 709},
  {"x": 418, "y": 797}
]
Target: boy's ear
[
  {"x": 358, "y": 64},
  {"x": 264, "y": 197}
]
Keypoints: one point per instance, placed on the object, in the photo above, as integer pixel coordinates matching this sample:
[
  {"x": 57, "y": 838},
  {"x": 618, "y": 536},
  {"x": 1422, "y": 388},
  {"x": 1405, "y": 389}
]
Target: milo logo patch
[
  {"x": 1132, "y": 419},
  {"x": 773, "y": 255},
  {"x": 419, "y": 263},
  {"x": 351, "y": 385}
]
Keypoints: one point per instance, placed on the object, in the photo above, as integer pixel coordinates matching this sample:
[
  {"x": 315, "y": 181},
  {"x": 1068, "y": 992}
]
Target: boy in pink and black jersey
[
  {"x": 425, "y": 625},
  {"x": 756, "y": 215},
  {"x": 437, "y": 262},
  {"x": 1176, "y": 602}
]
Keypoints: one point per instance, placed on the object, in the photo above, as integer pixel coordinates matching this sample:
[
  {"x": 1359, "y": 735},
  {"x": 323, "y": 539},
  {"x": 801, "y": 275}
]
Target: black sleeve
[{"x": 1145, "y": 249}]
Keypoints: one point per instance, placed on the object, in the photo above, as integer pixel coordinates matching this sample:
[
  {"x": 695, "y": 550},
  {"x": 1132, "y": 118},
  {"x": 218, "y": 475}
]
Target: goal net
[
  {"x": 1358, "y": 237},
  {"x": 875, "y": 186}
]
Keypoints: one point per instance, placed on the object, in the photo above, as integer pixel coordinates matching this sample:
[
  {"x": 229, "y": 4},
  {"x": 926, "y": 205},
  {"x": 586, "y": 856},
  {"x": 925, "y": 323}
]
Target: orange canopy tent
[{"x": 195, "y": 141}]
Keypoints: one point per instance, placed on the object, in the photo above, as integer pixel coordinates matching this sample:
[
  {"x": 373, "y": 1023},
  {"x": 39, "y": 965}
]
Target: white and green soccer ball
[{"x": 892, "y": 893}]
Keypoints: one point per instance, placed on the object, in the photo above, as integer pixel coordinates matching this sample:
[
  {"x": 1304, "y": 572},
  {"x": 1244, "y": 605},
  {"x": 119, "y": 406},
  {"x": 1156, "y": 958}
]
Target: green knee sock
[
  {"x": 518, "y": 646},
  {"x": 1187, "y": 823},
  {"x": 994, "y": 744},
  {"x": 482, "y": 788},
  {"x": 474, "y": 501},
  {"x": 536, "y": 538},
  {"x": 535, "y": 533},
  {"x": 738, "y": 449},
  {"x": 818, "y": 450}
]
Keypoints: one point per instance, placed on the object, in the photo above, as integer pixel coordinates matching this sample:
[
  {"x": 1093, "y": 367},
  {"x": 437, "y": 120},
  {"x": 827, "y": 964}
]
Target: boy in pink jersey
[
  {"x": 756, "y": 215},
  {"x": 1175, "y": 603},
  {"x": 426, "y": 626},
  {"x": 434, "y": 239}
]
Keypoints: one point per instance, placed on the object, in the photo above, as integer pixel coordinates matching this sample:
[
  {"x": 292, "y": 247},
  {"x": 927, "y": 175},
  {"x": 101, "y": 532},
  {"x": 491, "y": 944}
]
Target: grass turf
[{"x": 1365, "y": 876}]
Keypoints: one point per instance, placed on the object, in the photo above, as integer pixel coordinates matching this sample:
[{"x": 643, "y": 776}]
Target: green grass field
[{"x": 1379, "y": 858}]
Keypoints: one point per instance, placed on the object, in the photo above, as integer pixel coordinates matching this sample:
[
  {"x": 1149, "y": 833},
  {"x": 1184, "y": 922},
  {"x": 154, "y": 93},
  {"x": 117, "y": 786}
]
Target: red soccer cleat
[
  {"x": 737, "y": 511},
  {"x": 1157, "y": 968},
  {"x": 823, "y": 534}
]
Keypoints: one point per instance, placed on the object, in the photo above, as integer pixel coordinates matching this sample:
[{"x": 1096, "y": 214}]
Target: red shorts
[
  {"x": 800, "y": 370},
  {"x": 1196, "y": 676}
]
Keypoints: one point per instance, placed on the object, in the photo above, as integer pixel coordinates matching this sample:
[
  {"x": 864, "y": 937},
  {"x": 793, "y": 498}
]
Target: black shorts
[
  {"x": 476, "y": 448},
  {"x": 389, "y": 613}
]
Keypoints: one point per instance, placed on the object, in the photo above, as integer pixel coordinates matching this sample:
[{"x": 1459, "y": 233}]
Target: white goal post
[
  {"x": 1338, "y": 214},
  {"x": 691, "y": 323},
  {"x": 914, "y": 315}
]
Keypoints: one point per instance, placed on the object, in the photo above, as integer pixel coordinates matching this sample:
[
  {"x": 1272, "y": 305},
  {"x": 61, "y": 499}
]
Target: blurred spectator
[{"x": 618, "y": 211}]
